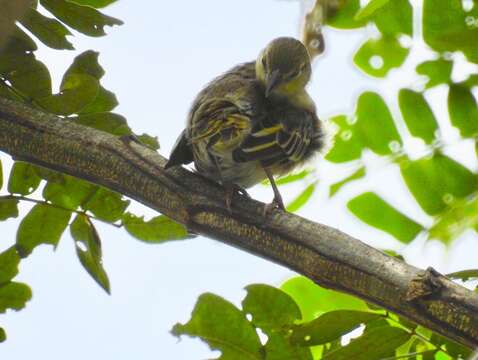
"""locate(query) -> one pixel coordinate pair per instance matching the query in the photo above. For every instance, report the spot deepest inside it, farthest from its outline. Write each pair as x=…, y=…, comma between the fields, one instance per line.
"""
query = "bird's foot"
x=276, y=204
x=231, y=190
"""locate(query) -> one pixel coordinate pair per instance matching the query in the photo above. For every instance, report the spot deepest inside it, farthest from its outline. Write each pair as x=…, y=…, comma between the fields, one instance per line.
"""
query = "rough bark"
x=325, y=255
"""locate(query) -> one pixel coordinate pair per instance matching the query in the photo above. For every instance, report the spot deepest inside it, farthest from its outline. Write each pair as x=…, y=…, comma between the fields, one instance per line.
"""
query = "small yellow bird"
x=253, y=122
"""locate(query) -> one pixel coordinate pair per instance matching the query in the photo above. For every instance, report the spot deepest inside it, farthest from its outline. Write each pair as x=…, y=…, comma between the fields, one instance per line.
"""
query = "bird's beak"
x=272, y=81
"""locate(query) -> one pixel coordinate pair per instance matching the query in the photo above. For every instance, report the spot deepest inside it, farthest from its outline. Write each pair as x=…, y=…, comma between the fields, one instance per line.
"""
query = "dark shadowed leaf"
x=374, y=211
x=9, y=260
x=437, y=181
x=271, y=308
x=85, y=19
x=280, y=348
x=302, y=198
x=330, y=326
x=464, y=275
x=19, y=42
x=157, y=230
x=105, y=121
x=463, y=110
x=417, y=115
x=150, y=141
x=86, y=63
x=44, y=224
x=438, y=71
x=223, y=327
x=314, y=300
x=49, y=31
x=23, y=179
x=14, y=295
x=373, y=345
x=8, y=208
x=360, y=173
x=3, y=336
x=76, y=92
x=88, y=249
x=104, y=101
x=93, y=3
x=378, y=57
x=106, y=205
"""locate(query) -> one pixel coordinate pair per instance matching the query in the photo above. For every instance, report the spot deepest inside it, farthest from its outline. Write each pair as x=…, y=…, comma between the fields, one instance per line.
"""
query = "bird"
x=254, y=122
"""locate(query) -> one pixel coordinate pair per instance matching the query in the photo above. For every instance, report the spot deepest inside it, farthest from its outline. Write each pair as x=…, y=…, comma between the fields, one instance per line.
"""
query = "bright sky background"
x=156, y=63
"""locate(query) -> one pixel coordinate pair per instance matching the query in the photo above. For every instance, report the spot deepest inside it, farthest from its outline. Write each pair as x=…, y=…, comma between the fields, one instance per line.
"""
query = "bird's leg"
x=232, y=189
x=277, y=202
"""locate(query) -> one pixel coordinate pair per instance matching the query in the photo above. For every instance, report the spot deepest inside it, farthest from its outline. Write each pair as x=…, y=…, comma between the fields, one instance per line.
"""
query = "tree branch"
x=325, y=255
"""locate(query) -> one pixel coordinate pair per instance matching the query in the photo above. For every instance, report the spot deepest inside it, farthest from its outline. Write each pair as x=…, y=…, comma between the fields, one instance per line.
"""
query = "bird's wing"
x=284, y=136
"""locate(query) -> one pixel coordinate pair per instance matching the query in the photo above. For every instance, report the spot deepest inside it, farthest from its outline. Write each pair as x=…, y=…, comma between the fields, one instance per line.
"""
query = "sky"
x=156, y=63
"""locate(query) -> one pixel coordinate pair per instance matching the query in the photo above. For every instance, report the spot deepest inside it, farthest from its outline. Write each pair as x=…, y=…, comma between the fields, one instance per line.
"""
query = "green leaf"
x=49, y=31
x=26, y=74
x=334, y=188
x=344, y=17
x=105, y=121
x=438, y=71
x=464, y=275
x=375, y=125
x=88, y=249
x=93, y=3
x=395, y=18
x=461, y=216
x=378, y=57
x=107, y=205
x=347, y=146
x=9, y=261
x=279, y=348
x=87, y=64
x=223, y=327
x=302, y=198
x=271, y=308
x=104, y=101
x=463, y=110
x=85, y=19
x=374, y=211
x=314, y=300
x=68, y=192
x=3, y=336
x=447, y=27
x=8, y=208
x=23, y=179
x=14, y=295
x=157, y=230
x=293, y=177
x=371, y=7
x=373, y=345
x=150, y=141
x=417, y=115
x=437, y=181
x=19, y=42
x=44, y=224
x=76, y=92
x=330, y=326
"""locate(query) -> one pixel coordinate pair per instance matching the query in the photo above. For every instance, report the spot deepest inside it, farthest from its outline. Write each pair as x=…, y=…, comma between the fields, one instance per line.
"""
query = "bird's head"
x=283, y=67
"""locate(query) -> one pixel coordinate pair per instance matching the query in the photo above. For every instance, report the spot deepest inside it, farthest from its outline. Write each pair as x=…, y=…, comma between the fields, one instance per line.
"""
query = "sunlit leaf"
x=23, y=179
x=378, y=57
x=88, y=249
x=371, y=7
x=314, y=300
x=8, y=208
x=9, y=261
x=271, y=308
x=14, y=295
x=347, y=146
x=438, y=71
x=104, y=101
x=44, y=224
x=301, y=199
x=330, y=326
x=49, y=31
x=344, y=17
x=223, y=327
x=374, y=211
x=417, y=115
x=106, y=205
x=76, y=92
x=85, y=19
x=463, y=110
x=360, y=173
x=150, y=141
x=280, y=348
x=395, y=18
x=437, y=181
x=157, y=230
x=293, y=177
x=68, y=192
x=373, y=345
